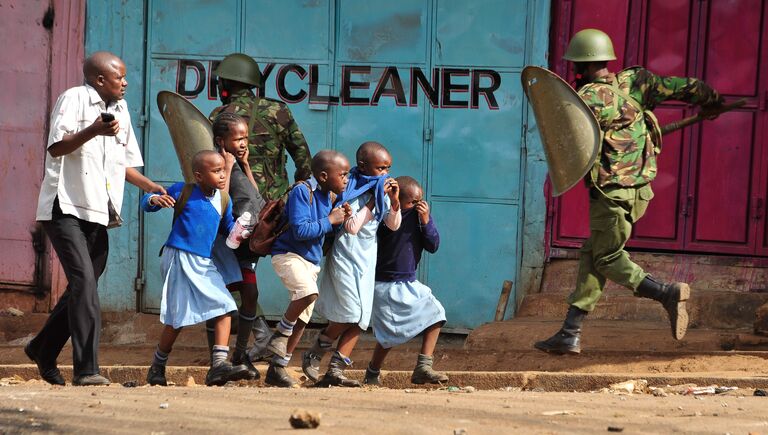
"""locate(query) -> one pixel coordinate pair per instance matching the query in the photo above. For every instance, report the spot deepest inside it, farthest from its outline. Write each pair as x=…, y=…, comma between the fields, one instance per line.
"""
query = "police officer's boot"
x=261, y=336
x=568, y=338
x=672, y=296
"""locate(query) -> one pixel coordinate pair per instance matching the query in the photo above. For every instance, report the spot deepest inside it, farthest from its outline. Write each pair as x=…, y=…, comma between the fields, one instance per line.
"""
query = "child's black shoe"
x=278, y=377
x=156, y=375
x=224, y=372
x=372, y=378
x=242, y=358
x=334, y=377
x=425, y=374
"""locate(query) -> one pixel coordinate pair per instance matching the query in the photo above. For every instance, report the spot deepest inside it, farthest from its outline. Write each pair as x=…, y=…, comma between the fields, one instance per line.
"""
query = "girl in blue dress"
x=194, y=290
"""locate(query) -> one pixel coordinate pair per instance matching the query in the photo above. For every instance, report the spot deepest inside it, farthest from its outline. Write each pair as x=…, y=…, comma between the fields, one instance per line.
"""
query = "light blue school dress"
x=226, y=261
x=347, y=280
x=193, y=291
x=402, y=310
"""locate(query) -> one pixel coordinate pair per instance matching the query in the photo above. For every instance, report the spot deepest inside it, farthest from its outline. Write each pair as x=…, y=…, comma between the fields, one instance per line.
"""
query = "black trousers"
x=82, y=248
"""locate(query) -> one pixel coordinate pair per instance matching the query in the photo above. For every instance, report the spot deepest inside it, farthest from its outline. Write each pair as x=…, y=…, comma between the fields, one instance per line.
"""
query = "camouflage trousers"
x=611, y=216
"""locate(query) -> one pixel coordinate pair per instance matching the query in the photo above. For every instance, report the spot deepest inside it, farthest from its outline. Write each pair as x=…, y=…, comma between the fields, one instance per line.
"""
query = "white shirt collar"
x=97, y=100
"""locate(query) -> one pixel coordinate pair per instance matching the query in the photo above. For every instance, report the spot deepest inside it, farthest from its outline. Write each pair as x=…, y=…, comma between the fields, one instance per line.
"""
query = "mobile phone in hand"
x=107, y=117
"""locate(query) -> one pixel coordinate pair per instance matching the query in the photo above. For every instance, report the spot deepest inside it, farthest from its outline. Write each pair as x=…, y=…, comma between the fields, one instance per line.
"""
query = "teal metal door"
x=476, y=153
x=436, y=81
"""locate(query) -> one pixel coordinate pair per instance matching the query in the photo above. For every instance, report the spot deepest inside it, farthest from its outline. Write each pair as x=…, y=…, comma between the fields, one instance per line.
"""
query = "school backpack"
x=273, y=222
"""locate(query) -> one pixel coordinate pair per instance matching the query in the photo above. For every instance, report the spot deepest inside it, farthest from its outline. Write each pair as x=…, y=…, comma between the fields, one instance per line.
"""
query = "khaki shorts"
x=299, y=276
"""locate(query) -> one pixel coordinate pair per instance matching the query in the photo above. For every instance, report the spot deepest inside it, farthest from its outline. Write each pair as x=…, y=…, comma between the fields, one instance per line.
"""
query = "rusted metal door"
x=25, y=74
x=711, y=188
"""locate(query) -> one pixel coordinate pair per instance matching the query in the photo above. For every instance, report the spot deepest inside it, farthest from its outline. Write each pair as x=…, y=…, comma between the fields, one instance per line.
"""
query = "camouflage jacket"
x=266, y=155
x=628, y=155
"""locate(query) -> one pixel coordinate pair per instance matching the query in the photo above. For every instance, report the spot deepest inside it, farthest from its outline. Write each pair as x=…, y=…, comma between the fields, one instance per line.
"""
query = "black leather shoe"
x=278, y=377
x=224, y=372
x=372, y=378
x=241, y=358
x=156, y=375
x=90, y=380
x=49, y=373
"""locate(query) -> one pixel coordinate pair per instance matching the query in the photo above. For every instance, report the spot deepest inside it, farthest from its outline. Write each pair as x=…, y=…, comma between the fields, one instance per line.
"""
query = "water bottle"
x=240, y=231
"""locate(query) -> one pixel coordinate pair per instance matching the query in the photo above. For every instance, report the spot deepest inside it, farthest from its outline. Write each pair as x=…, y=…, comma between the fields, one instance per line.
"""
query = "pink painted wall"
x=42, y=55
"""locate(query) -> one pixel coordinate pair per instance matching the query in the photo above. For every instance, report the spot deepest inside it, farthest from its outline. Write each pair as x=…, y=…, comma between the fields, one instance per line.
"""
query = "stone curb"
x=543, y=381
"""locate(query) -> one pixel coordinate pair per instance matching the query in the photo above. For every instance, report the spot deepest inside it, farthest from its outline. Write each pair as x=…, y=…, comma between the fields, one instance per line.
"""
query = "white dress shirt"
x=85, y=179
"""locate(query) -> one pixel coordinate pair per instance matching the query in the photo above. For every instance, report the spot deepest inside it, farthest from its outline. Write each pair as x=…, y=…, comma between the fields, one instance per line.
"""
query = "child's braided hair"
x=222, y=123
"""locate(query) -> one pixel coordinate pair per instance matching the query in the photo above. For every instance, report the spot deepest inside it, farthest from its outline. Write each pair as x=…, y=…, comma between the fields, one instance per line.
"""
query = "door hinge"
x=142, y=120
x=139, y=282
x=427, y=135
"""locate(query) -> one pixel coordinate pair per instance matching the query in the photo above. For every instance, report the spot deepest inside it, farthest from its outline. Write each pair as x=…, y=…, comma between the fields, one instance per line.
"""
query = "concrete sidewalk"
x=529, y=380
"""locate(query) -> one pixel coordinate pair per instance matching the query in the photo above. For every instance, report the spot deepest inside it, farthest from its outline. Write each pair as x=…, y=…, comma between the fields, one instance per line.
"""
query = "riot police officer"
x=620, y=182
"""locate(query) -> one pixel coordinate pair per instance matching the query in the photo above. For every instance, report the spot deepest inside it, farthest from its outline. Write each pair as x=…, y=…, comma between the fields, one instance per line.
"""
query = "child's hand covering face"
x=392, y=189
x=422, y=208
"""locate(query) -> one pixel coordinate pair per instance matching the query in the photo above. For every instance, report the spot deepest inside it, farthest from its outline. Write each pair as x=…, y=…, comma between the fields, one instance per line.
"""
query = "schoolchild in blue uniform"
x=347, y=281
x=194, y=290
x=402, y=306
x=297, y=252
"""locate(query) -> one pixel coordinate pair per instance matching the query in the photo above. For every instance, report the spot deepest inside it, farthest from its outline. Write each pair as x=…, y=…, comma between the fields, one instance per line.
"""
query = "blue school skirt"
x=194, y=290
x=402, y=310
x=225, y=260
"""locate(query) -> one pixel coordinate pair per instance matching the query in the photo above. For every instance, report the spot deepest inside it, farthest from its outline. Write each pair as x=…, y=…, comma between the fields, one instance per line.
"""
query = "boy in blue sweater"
x=297, y=252
x=194, y=290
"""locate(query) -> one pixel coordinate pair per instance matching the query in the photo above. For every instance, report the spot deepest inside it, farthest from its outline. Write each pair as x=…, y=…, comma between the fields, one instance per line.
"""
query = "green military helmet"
x=590, y=45
x=240, y=68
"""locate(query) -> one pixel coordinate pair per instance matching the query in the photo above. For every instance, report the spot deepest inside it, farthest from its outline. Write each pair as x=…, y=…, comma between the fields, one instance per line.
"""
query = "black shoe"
x=331, y=379
x=241, y=358
x=224, y=372
x=372, y=378
x=278, y=377
x=334, y=377
x=674, y=303
x=672, y=297
x=90, y=380
x=561, y=343
x=156, y=375
x=49, y=373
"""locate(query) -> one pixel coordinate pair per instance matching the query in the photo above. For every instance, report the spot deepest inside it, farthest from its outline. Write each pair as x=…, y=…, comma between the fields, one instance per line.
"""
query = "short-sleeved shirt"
x=87, y=178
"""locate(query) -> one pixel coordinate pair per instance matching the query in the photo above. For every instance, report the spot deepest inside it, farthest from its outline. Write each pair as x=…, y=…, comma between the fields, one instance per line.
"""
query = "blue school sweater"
x=308, y=224
x=197, y=225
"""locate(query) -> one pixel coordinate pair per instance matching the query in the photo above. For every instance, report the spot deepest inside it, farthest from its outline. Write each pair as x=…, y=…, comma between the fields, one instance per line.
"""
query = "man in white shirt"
x=89, y=159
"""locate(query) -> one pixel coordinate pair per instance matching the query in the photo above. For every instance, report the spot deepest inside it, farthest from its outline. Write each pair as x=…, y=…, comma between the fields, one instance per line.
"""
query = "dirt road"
x=34, y=407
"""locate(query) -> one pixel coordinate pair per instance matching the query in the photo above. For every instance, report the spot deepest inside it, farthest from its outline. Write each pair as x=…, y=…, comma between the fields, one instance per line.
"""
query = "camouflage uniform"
x=627, y=166
x=266, y=155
